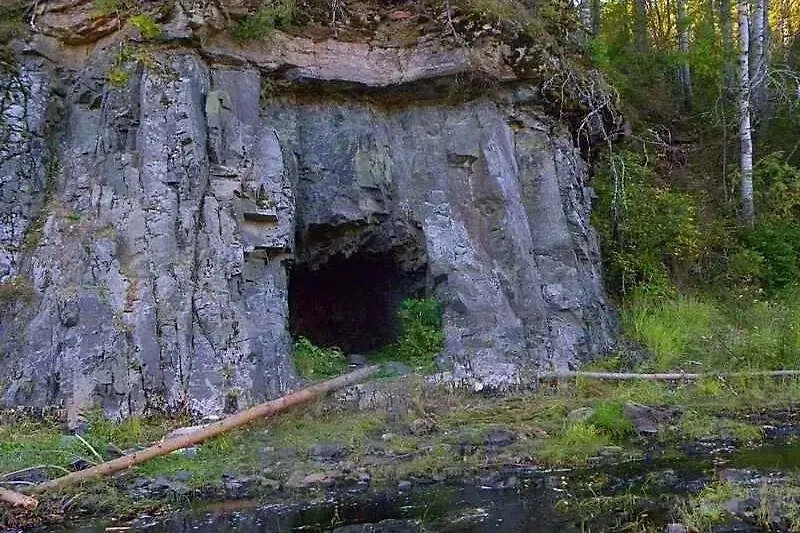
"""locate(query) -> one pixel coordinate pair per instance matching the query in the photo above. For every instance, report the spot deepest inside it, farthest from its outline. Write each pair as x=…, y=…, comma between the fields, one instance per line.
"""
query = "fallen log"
x=673, y=376
x=16, y=499
x=207, y=432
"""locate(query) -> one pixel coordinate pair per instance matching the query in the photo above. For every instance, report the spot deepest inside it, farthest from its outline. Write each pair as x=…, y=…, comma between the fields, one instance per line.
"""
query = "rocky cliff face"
x=173, y=213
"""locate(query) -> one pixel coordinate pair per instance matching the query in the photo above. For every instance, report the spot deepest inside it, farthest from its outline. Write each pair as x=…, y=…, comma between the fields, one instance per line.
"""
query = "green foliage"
x=645, y=229
x=576, y=445
x=708, y=508
x=672, y=329
x=699, y=333
x=313, y=362
x=610, y=418
x=271, y=15
x=11, y=23
x=107, y=7
x=421, y=335
x=148, y=28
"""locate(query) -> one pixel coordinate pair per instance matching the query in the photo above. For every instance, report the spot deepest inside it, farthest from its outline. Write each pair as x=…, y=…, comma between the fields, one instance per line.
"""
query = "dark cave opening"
x=351, y=302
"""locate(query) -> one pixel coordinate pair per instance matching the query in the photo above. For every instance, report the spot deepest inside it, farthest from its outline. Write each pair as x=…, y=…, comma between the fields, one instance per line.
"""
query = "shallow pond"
x=631, y=496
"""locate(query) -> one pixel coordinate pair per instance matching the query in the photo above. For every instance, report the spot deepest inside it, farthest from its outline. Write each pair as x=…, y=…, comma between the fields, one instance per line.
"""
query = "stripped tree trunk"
x=745, y=128
x=15, y=499
x=683, y=46
x=190, y=439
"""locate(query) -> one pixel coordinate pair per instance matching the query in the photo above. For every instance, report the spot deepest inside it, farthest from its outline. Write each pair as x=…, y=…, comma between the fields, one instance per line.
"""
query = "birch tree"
x=758, y=52
x=640, y=24
x=745, y=129
x=683, y=46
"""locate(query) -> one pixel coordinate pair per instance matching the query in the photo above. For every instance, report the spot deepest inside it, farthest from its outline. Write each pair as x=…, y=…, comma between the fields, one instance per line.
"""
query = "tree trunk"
x=15, y=499
x=745, y=129
x=640, y=25
x=757, y=48
x=683, y=46
x=596, y=16
x=210, y=431
x=726, y=28
x=585, y=9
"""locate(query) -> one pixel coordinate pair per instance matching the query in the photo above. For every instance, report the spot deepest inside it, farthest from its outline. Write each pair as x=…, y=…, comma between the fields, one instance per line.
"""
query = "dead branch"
x=16, y=499
x=196, y=437
x=674, y=376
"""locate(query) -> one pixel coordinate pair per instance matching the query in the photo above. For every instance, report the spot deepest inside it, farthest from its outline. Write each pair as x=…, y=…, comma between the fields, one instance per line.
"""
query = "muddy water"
x=626, y=497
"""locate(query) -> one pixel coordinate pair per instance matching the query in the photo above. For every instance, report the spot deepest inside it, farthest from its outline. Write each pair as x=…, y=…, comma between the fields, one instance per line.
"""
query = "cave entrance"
x=351, y=302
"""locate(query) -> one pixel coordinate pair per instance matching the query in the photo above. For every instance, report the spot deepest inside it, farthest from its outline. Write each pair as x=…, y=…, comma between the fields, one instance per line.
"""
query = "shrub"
x=774, y=248
x=314, y=362
x=275, y=14
x=147, y=27
x=578, y=444
x=646, y=230
x=421, y=336
x=610, y=418
x=673, y=329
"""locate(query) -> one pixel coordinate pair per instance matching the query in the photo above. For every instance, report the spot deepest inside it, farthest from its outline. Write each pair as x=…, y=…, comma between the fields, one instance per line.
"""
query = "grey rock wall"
x=147, y=231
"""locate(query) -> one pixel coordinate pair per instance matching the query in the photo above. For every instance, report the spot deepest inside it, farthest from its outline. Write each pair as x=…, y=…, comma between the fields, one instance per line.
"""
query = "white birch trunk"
x=683, y=45
x=745, y=130
x=585, y=10
x=757, y=40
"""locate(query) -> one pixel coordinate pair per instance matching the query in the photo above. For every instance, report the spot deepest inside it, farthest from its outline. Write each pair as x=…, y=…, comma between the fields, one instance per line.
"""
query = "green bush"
x=610, y=418
x=147, y=27
x=314, y=362
x=421, y=335
x=675, y=330
x=273, y=14
x=774, y=249
x=646, y=230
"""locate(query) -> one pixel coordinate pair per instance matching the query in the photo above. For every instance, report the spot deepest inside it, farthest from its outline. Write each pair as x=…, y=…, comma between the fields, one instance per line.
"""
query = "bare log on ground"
x=15, y=499
x=674, y=376
x=209, y=431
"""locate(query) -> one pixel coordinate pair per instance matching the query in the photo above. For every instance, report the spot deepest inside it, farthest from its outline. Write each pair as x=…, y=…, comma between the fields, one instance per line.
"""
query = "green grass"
x=610, y=418
x=313, y=362
x=270, y=15
x=696, y=425
x=704, y=334
x=579, y=443
x=674, y=330
x=421, y=336
x=707, y=509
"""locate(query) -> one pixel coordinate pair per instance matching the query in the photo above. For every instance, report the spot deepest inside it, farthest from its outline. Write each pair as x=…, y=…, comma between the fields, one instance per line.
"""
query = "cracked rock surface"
x=148, y=228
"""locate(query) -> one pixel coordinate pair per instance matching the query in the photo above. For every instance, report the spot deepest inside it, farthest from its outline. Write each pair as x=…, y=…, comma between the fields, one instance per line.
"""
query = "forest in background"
x=698, y=206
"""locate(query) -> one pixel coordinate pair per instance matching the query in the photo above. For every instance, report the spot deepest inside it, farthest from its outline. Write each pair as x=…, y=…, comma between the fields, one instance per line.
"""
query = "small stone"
x=189, y=453
x=676, y=528
x=180, y=432
x=500, y=438
x=404, y=484
x=581, y=414
x=114, y=450
x=182, y=475
x=328, y=451
x=271, y=484
x=357, y=360
x=396, y=368
x=79, y=463
x=422, y=426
